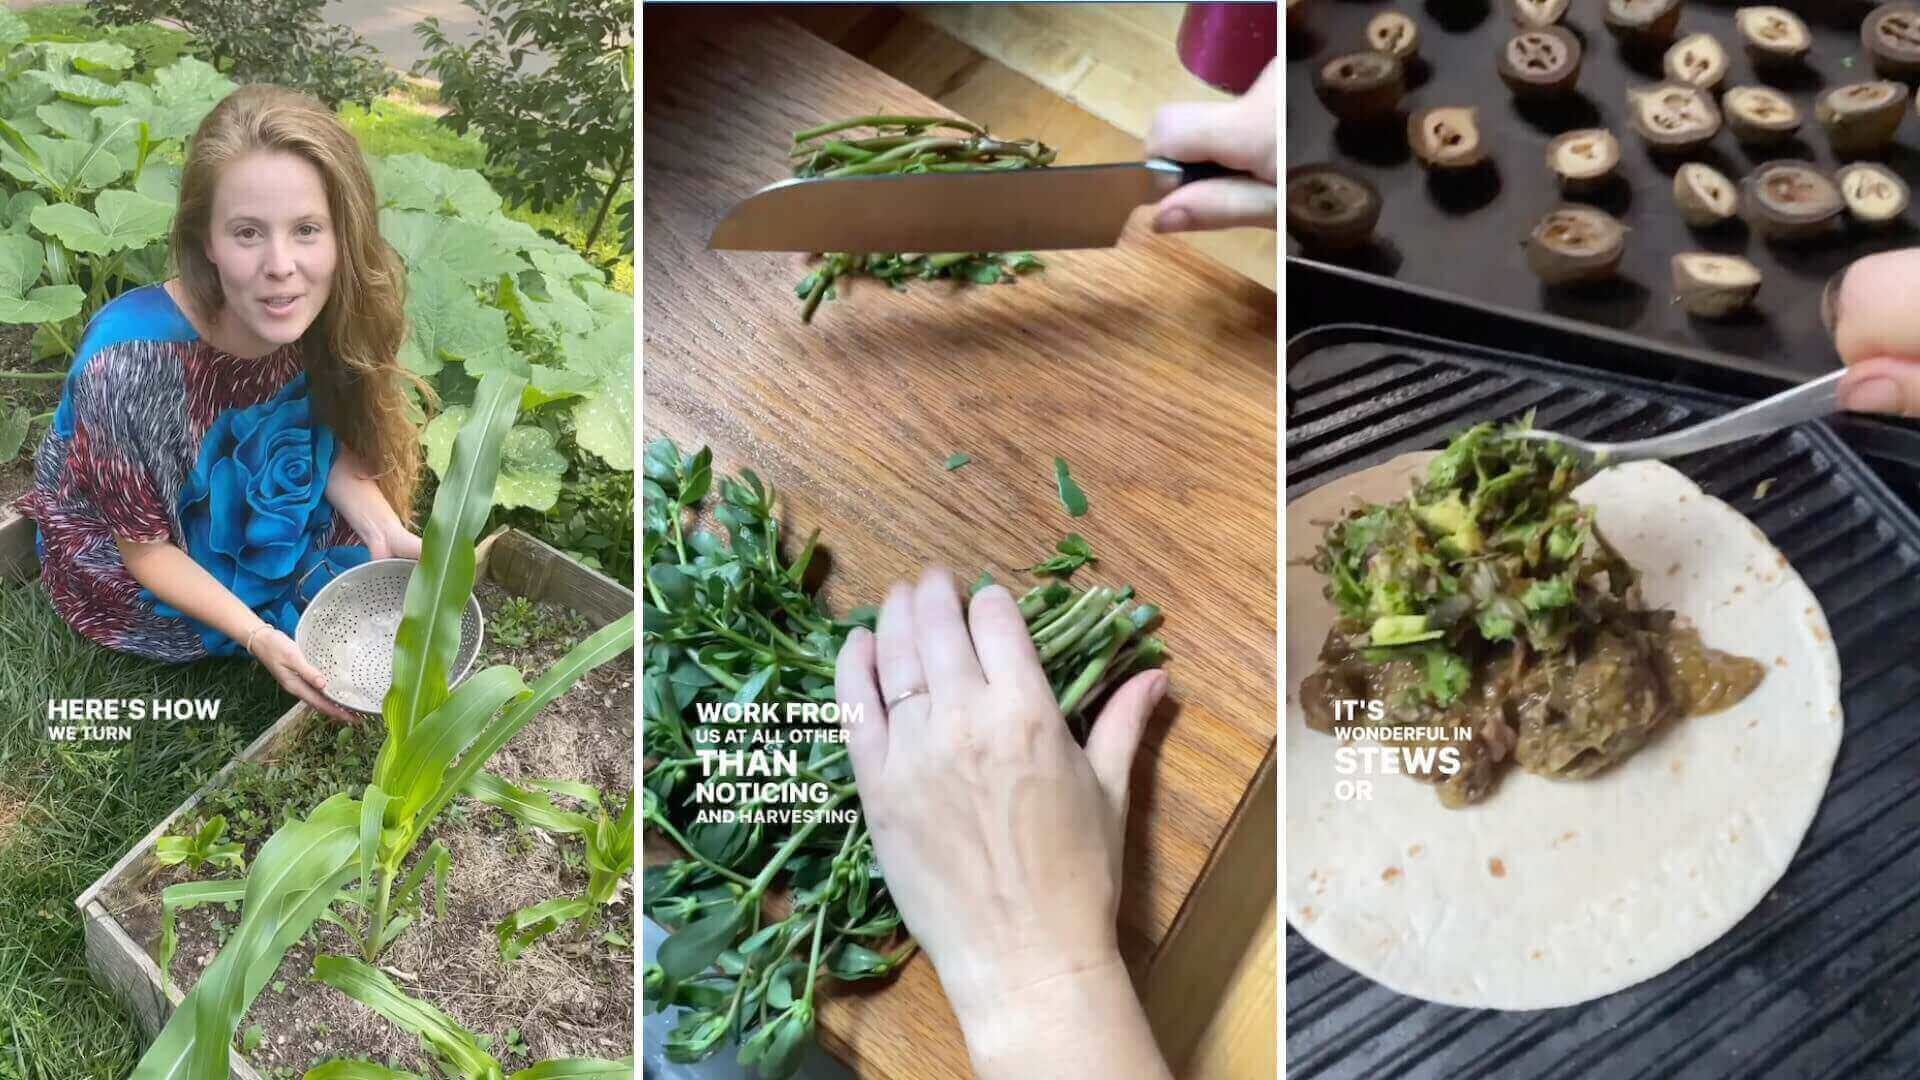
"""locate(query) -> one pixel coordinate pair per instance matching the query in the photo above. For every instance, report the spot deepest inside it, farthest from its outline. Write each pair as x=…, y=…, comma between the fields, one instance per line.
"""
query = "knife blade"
x=1069, y=206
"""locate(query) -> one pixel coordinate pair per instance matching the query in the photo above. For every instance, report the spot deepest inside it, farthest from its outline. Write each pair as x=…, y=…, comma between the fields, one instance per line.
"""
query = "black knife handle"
x=1195, y=171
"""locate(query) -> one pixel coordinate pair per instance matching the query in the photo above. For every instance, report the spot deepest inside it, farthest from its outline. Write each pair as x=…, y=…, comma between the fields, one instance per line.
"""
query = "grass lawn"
x=68, y=812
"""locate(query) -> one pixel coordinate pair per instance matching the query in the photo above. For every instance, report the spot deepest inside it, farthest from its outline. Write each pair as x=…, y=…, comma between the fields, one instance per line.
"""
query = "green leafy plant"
x=89, y=168
x=909, y=144
x=458, y=1051
x=591, y=520
x=288, y=42
x=436, y=740
x=1074, y=553
x=518, y=622
x=731, y=622
x=609, y=841
x=560, y=136
x=208, y=845
x=92, y=161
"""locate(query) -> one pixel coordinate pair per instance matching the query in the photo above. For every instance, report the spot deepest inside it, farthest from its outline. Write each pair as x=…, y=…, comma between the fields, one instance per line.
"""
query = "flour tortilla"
x=1555, y=892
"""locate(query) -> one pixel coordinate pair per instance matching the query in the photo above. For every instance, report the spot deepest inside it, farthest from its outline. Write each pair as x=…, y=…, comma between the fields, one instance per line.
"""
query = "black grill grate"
x=1823, y=978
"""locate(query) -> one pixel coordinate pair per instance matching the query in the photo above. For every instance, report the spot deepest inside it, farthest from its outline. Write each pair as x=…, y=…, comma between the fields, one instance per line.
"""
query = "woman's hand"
x=392, y=541
x=284, y=661
x=1873, y=311
x=1001, y=838
x=1241, y=134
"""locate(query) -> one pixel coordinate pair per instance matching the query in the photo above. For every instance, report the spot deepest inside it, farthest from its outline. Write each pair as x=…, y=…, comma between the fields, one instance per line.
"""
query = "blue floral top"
x=159, y=436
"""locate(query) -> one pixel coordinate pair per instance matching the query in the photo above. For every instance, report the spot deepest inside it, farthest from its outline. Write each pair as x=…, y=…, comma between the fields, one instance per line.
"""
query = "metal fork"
x=1809, y=401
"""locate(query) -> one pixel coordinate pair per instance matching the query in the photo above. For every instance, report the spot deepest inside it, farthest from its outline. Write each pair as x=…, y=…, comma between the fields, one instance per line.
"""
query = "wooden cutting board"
x=1149, y=368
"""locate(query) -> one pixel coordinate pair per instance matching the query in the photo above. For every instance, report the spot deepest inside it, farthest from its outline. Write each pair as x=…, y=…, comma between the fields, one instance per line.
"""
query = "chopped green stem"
x=1070, y=633
x=948, y=258
x=1079, y=615
x=1033, y=602
x=845, y=151
x=871, y=145
x=1056, y=612
x=1135, y=658
x=819, y=290
x=934, y=147
x=1002, y=165
x=1077, y=690
x=1114, y=613
x=885, y=121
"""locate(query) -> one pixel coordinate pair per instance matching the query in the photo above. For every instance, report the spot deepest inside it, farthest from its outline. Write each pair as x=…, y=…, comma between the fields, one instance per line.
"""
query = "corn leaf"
x=440, y=861
x=453, y=1043
x=373, y=812
x=606, y=643
x=528, y=925
x=417, y=766
x=572, y=789
x=437, y=593
x=342, y=1069
x=577, y=1069
x=296, y=875
x=528, y=807
x=177, y=898
x=610, y=855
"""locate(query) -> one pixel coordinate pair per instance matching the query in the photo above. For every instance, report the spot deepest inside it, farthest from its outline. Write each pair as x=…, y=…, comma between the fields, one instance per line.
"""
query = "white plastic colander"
x=347, y=632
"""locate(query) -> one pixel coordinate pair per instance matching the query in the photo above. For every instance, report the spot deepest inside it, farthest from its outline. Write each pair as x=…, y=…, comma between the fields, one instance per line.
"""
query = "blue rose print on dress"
x=254, y=512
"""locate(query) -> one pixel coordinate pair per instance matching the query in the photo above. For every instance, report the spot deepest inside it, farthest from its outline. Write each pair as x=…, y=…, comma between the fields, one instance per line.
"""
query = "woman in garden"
x=229, y=440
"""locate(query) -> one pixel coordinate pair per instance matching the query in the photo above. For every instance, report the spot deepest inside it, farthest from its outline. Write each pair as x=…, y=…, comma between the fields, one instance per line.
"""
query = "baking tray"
x=1465, y=239
x=1822, y=979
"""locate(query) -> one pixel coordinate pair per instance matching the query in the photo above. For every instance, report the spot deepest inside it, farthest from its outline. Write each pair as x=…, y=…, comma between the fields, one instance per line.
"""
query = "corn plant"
x=200, y=849
x=459, y=1051
x=609, y=840
x=437, y=740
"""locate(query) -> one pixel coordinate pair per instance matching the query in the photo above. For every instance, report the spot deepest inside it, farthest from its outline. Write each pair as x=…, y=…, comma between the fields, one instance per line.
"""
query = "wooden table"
x=1147, y=366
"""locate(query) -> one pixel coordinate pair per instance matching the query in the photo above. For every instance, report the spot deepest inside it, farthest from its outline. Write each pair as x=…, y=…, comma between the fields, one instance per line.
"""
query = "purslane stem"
x=760, y=884
x=884, y=121
x=674, y=835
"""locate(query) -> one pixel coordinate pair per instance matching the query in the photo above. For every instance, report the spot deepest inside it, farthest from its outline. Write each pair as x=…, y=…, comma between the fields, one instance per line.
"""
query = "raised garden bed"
x=570, y=994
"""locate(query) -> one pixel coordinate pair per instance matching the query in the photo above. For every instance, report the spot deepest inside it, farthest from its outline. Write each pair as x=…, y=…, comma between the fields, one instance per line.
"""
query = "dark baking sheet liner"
x=1823, y=978
x=1464, y=238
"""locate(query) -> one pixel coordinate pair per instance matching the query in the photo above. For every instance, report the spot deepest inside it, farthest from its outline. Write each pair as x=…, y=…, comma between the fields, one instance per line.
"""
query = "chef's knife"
x=1068, y=206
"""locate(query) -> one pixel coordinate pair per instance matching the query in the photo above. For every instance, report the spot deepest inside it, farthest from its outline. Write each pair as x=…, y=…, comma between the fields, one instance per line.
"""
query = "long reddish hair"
x=351, y=350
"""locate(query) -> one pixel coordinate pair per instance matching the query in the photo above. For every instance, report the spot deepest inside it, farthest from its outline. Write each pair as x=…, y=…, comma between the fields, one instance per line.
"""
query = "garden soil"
x=569, y=995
